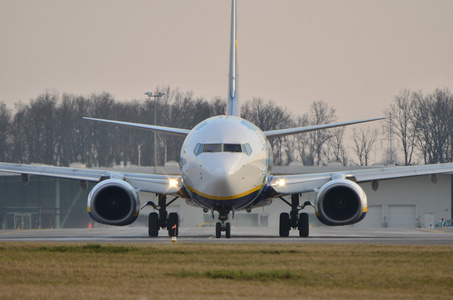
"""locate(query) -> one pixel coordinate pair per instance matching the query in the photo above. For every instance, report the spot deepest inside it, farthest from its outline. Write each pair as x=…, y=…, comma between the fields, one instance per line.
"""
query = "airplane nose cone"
x=222, y=179
x=222, y=170
x=224, y=176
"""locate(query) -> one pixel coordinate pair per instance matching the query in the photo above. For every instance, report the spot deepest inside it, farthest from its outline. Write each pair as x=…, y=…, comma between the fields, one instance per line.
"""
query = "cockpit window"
x=232, y=148
x=247, y=149
x=212, y=148
x=244, y=148
x=198, y=149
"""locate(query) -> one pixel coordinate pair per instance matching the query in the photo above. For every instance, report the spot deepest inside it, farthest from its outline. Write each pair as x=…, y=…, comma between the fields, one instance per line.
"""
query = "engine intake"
x=340, y=202
x=113, y=202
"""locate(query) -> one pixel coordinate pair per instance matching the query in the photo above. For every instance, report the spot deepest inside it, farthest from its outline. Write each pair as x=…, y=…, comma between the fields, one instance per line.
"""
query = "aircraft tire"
x=284, y=225
x=304, y=225
x=173, y=219
x=228, y=230
x=153, y=224
x=218, y=230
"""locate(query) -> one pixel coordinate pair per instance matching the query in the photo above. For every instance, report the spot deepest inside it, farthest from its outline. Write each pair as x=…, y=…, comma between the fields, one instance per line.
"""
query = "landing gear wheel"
x=227, y=230
x=284, y=225
x=218, y=230
x=173, y=224
x=153, y=224
x=304, y=226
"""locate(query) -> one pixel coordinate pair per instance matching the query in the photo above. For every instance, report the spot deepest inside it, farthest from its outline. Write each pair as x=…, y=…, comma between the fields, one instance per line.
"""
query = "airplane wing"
x=268, y=134
x=293, y=184
x=170, y=130
x=153, y=183
x=296, y=130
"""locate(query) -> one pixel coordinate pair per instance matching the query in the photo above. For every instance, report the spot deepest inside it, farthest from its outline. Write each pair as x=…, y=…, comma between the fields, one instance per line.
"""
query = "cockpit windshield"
x=232, y=148
x=212, y=148
x=241, y=148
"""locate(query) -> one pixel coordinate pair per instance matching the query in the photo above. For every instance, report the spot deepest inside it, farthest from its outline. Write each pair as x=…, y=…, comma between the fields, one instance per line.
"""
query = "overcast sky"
x=355, y=55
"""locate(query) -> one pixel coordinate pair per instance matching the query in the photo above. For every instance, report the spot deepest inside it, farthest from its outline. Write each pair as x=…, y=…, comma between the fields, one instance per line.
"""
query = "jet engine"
x=113, y=202
x=340, y=202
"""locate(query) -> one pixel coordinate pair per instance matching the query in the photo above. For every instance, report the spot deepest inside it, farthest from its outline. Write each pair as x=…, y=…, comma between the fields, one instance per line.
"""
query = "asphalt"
x=321, y=235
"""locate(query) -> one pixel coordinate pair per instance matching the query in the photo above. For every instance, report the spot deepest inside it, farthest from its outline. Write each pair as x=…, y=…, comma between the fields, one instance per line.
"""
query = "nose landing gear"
x=223, y=225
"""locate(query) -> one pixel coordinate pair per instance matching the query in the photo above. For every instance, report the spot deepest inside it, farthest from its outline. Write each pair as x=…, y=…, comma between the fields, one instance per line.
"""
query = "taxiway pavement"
x=321, y=235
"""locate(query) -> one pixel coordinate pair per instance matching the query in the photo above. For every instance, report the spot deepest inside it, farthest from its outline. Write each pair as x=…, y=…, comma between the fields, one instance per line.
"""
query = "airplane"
x=225, y=167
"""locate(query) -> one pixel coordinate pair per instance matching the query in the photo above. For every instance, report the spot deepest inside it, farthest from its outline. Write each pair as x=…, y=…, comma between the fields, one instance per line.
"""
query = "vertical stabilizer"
x=232, y=102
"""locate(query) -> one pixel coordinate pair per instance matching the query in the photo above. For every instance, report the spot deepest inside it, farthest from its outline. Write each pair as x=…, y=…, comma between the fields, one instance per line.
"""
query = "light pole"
x=156, y=95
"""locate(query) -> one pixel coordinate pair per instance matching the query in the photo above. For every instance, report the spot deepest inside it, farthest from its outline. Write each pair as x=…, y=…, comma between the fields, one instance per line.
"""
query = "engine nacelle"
x=340, y=202
x=113, y=202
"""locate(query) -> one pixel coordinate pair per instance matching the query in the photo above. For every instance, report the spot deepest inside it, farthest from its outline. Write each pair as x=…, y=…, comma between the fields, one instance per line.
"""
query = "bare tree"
x=268, y=116
x=364, y=140
x=335, y=149
x=5, y=122
x=39, y=128
x=302, y=142
x=313, y=145
x=218, y=106
x=401, y=123
x=434, y=126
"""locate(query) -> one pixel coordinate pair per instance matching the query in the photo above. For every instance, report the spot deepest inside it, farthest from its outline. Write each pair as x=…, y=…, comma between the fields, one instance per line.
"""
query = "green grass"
x=224, y=271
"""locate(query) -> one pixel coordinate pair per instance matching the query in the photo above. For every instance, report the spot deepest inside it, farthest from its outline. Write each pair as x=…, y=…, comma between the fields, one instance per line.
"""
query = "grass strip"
x=224, y=271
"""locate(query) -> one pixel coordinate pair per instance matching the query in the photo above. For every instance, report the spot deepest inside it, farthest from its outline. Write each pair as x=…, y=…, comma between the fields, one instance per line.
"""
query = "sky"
x=354, y=55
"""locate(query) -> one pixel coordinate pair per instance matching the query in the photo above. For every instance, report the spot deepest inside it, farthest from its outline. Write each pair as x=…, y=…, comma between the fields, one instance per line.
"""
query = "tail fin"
x=232, y=102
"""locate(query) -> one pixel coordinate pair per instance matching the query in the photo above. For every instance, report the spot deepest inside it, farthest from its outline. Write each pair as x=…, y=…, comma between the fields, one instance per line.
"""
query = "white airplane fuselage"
x=225, y=162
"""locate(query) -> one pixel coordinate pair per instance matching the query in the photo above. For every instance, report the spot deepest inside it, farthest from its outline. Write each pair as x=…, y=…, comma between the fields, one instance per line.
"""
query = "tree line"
x=50, y=129
x=421, y=126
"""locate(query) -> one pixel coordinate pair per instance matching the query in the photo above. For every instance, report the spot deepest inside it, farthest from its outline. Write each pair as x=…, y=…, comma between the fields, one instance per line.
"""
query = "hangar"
x=398, y=203
x=45, y=202
x=409, y=202
x=42, y=202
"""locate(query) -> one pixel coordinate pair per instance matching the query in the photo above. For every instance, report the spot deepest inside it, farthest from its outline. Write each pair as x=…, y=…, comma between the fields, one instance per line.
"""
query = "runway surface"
x=322, y=235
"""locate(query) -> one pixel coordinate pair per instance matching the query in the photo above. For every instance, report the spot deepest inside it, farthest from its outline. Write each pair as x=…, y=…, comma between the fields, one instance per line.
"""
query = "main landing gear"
x=162, y=219
x=293, y=219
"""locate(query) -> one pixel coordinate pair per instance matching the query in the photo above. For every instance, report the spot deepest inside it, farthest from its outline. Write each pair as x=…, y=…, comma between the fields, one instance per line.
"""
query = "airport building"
x=43, y=202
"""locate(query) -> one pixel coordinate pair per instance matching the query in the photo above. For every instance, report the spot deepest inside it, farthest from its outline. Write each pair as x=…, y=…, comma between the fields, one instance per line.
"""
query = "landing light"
x=281, y=182
x=173, y=183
